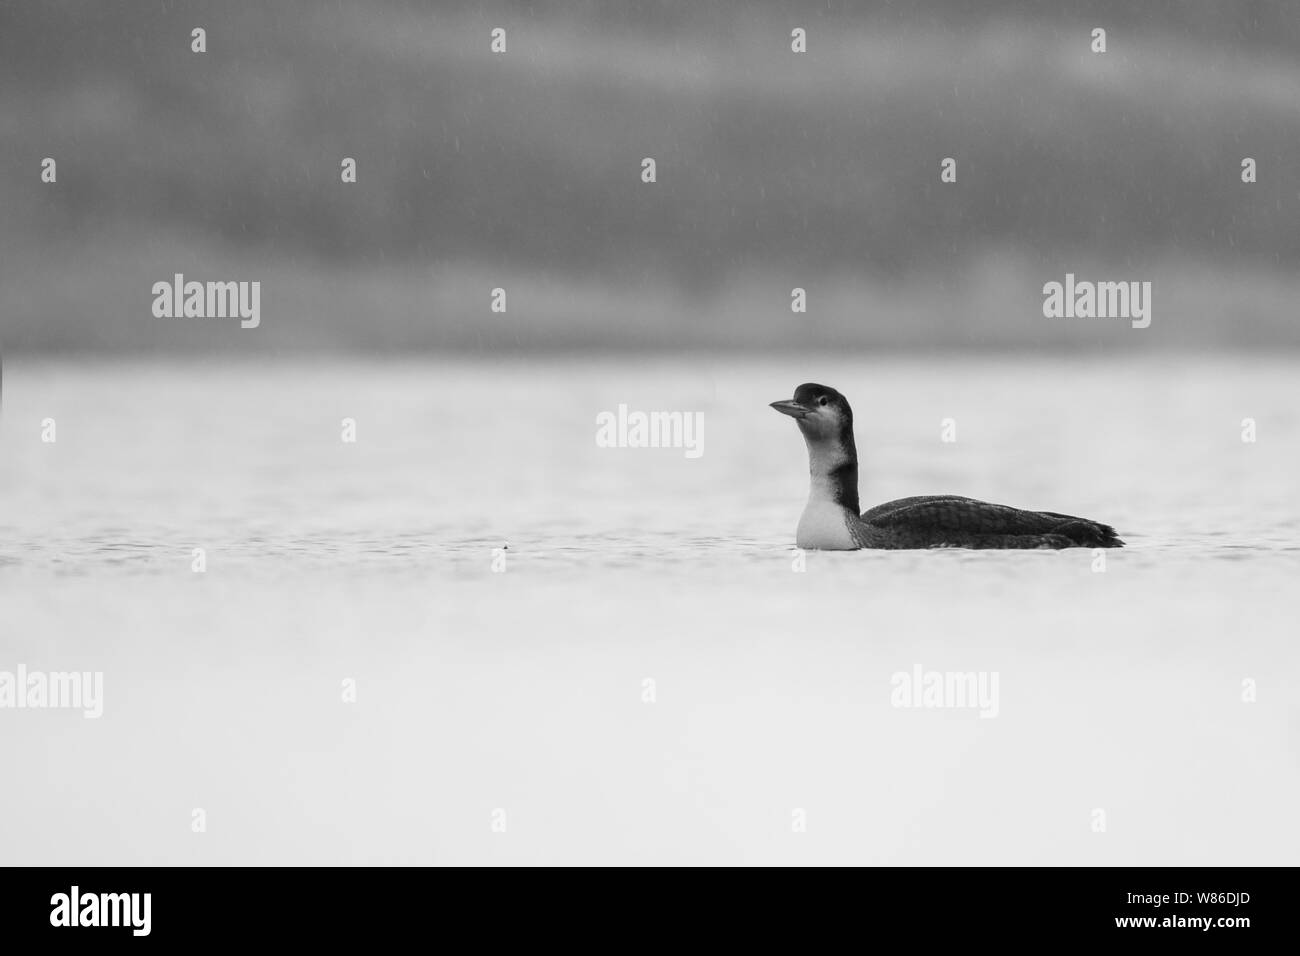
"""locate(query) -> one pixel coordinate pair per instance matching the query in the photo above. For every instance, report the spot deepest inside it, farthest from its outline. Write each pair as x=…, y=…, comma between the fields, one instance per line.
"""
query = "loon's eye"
x=822, y=400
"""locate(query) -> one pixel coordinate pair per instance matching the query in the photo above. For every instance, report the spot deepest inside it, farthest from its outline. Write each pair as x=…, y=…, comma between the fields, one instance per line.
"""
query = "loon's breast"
x=827, y=526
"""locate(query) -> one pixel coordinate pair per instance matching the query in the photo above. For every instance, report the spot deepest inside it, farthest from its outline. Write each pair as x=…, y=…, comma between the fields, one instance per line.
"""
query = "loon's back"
x=936, y=521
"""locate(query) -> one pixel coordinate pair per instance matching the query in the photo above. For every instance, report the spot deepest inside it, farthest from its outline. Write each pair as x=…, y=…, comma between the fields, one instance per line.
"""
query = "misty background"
x=775, y=170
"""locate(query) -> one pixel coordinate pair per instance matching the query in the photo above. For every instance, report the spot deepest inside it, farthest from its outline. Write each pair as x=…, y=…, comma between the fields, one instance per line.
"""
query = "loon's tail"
x=1085, y=533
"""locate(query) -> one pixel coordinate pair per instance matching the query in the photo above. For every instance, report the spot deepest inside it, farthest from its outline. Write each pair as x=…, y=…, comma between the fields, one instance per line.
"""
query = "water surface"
x=476, y=691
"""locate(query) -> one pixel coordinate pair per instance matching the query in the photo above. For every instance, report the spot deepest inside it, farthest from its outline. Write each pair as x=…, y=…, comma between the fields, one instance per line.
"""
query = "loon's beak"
x=793, y=409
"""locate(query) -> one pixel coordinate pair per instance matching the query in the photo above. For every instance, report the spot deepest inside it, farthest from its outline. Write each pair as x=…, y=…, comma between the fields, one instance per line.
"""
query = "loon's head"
x=822, y=414
x=824, y=417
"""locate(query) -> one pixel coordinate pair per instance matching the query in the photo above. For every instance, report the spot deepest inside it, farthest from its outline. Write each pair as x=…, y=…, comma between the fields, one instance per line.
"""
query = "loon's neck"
x=830, y=520
x=833, y=472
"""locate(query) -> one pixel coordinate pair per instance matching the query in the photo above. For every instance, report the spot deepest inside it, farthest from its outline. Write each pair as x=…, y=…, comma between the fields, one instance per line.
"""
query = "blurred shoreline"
x=994, y=303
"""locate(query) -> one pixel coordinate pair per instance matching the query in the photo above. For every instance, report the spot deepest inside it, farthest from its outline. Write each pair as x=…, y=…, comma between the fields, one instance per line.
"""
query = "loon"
x=830, y=522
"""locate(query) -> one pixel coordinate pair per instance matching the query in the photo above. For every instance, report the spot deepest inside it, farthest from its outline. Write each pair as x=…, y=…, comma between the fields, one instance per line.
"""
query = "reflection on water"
x=373, y=561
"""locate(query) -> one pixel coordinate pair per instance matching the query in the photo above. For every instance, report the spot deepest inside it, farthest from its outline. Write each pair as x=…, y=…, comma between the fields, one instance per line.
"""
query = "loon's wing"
x=933, y=520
